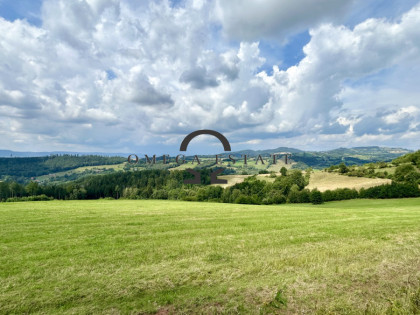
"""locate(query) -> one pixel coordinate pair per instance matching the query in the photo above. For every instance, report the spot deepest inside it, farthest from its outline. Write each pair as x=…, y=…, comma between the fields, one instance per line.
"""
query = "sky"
x=138, y=76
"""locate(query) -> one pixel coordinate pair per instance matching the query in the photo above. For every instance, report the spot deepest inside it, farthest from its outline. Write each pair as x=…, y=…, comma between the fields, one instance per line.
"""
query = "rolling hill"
x=26, y=168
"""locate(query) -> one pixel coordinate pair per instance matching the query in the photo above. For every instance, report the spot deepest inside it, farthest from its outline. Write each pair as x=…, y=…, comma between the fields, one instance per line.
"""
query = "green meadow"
x=165, y=257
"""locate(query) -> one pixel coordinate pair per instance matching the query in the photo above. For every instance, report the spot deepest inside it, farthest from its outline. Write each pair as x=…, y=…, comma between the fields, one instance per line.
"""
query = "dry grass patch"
x=329, y=181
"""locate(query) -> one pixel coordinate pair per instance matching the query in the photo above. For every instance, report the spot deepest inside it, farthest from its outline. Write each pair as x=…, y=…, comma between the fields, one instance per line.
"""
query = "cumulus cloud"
x=252, y=20
x=117, y=74
x=308, y=95
x=139, y=90
x=198, y=78
x=388, y=122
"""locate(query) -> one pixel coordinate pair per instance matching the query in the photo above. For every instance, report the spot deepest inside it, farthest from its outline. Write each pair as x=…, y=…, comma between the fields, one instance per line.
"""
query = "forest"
x=20, y=169
x=164, y=184
x=287, y=187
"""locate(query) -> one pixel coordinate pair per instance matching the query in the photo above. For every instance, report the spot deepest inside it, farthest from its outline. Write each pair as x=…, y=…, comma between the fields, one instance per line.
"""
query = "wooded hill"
x=21, y=168
x=164, y=184
x=25, y=169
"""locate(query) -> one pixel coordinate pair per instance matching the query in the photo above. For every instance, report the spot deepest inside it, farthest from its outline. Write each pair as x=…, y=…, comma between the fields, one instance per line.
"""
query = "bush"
x=188, y=195
x=30, y=198
x=250, y=200
x=394, y=190
x=209, y=193
x=346, y=194
x=329, y=195
x=283, y=171
x=160, y=194
x=316, y=197
x=342, y=168
x=108, y=198
x=277, y=199
x=294, y=194
x=304, y=196
x=403, y=171
x=299, y=196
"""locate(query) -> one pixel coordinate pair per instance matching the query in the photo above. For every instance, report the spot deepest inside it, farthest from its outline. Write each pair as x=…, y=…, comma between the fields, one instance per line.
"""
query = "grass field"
x=140, y=257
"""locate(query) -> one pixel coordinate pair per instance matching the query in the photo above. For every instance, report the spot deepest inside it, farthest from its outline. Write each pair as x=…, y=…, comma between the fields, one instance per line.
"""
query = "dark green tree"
x=283, y=171
x=33, y=189
x=316, y=197
x=342, y=168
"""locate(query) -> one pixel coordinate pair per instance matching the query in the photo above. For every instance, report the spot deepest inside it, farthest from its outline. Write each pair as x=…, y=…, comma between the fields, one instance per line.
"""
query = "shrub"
x=342, y=168
x=329, y=195
x=294, y=194
x=278, y=199
x=30, y=198
x=346, y=194
x=160, y=194
x=244, y=199
x=283, y=171
x=394, y=190
x=407, y=173
x=316, y=197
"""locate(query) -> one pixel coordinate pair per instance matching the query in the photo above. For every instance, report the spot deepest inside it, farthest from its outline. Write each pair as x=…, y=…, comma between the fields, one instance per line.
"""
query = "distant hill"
x=376, y=151
x=368, y=153
x=9, y=153
x=253, y=153
x=23, y=168
x=379, y=152
x=26, y=167
x=323, y=159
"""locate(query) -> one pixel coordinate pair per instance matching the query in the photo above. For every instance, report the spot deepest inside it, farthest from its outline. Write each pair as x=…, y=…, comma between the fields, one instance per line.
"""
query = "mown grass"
x=80, y=257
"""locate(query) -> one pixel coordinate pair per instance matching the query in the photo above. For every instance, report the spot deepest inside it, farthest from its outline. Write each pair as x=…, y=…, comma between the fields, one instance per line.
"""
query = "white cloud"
x=307, y=95
x=400, y=115
x=172, y=73
x=251, y=20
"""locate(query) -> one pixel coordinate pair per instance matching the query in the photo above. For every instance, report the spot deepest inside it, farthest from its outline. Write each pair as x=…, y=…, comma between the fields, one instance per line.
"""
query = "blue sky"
x=22, y=9
x=129, y=76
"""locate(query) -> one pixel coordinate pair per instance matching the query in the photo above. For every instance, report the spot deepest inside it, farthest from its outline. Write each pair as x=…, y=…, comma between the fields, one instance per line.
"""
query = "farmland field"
x=324, y=181
x=319, y=179
x=152, y=256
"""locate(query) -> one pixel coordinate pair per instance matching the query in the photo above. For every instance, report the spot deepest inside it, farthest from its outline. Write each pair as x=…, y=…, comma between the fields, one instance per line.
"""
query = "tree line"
x=408, y=172
x=290, y=187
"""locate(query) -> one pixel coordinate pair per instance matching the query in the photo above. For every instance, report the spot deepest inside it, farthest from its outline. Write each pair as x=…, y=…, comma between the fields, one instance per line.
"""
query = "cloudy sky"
x=138, y=76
